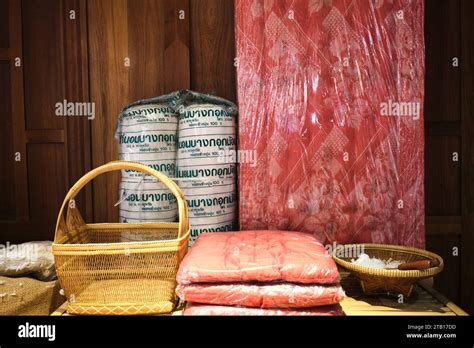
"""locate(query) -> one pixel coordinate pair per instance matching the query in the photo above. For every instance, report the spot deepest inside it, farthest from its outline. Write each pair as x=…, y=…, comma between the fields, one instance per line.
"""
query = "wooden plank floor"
x=424, y=301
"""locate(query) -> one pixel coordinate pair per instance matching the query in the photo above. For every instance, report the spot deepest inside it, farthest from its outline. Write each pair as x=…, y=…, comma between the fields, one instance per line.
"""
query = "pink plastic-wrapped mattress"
x=331, y=104
x=257, y=256
x=262, y=295
x=198, y=309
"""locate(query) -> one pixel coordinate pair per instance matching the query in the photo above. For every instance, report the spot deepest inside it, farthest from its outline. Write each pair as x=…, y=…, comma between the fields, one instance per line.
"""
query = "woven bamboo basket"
x=103, y=275
x=392, y=281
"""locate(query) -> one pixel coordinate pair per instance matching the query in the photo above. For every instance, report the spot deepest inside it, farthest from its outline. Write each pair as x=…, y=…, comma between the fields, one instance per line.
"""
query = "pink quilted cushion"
x=258, y=256
x=197, y=309
x=264, y=296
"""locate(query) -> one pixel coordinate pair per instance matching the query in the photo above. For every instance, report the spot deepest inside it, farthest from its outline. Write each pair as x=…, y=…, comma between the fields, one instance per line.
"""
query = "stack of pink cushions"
x=259, y=273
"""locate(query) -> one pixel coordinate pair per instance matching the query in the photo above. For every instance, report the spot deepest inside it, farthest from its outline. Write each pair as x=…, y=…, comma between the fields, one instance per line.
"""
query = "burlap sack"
x=27, y=296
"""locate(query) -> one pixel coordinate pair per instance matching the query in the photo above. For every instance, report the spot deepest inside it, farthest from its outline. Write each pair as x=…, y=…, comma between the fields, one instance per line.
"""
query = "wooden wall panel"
x=467, y=112
x=54, y=150
x=17, y=112
x=158, y=47
x=109, y=86
x=443, y=43
x=43, y=62
x=145, y=28
x=150, y=34
x=442, y=176
x=4, y=24
x=177, y=45
x=45, y=198
x=77, y=134
x=45, y=85
x=450, y=278
x=155, y=36
x=213, y=47
x=7, y=168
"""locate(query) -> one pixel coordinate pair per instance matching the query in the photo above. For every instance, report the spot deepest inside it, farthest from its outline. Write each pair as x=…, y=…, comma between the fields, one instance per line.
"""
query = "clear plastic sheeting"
x=190, y=137
x=279, y=295
x=259, y=256
x=331, y=104
x=147, y=132
x=197, y=309
x=205, y=165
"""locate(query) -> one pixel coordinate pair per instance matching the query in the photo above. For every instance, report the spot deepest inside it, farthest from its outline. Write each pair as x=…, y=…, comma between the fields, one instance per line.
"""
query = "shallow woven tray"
x=377, y=281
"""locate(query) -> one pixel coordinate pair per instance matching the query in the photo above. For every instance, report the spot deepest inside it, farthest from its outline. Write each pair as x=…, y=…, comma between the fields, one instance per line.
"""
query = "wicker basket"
x=376, y=281
x=102, y=275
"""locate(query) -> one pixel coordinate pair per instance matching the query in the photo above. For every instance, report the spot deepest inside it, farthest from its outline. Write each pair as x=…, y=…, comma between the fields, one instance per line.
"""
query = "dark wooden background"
x=83, y=59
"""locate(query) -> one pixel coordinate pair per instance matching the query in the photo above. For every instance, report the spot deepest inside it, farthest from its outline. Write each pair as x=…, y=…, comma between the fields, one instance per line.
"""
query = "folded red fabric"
x=199, y=309
x=262, y=296
x=262, y=256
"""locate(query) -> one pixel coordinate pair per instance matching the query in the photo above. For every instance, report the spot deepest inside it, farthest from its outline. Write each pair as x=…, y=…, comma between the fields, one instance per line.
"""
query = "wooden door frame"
x=17, y=110
x=467, y=161
x=75, y=136
x=76, y=48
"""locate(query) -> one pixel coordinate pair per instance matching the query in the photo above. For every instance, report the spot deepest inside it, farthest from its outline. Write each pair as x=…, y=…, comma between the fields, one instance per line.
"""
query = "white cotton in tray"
x=367, y=261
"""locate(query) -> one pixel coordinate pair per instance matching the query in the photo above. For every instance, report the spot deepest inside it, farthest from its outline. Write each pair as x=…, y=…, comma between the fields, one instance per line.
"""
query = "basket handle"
x=126, y=165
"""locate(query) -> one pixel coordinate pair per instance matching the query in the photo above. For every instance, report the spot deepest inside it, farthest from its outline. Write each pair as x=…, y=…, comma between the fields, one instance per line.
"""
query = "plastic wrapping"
x=205, y=166
x=197, y=309
x=263, y=256
x=282, y=295
x=147, y=132
x=331, y=105
x=192, y=138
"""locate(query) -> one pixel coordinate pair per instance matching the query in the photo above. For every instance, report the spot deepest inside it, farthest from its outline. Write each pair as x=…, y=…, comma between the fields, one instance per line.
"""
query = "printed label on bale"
x=205, y=185
x=148, y=201
x=206, y=116
x=138, y=216
x=155, y=141
x=138, y=200
x=205, y=146
x=162, y=162
x=166, y=167
x=212, y=206
x=206, y=171
x=148, y=116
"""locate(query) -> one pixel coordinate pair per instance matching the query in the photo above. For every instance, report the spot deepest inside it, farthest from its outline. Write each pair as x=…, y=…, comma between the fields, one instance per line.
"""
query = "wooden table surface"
x=424, y=301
